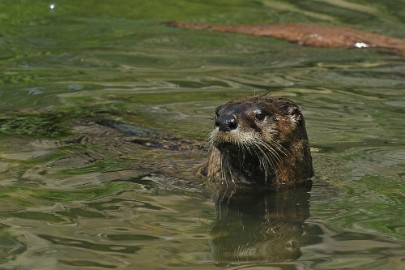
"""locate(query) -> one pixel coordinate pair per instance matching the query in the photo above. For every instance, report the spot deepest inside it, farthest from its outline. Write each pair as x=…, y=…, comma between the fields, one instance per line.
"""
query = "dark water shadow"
x=254, y=226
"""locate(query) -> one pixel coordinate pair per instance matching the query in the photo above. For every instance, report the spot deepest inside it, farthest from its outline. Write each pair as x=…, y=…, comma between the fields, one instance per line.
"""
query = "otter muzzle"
x=226, y=122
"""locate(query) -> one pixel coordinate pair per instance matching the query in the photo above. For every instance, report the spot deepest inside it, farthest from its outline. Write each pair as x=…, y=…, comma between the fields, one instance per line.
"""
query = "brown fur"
x=269, y=149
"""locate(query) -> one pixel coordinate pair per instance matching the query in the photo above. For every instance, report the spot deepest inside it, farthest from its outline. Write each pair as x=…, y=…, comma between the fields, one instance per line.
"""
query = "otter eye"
x=259, y=115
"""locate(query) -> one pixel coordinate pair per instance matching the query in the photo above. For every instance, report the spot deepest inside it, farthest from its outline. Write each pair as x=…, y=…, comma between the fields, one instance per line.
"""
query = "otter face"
x=273, y=121
x=254, y=138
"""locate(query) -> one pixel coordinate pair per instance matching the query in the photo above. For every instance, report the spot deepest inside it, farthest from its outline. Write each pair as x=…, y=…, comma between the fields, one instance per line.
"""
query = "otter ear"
x=294, y=112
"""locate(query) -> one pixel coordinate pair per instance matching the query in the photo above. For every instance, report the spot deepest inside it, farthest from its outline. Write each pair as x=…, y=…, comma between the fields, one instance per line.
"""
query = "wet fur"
x=273, y=151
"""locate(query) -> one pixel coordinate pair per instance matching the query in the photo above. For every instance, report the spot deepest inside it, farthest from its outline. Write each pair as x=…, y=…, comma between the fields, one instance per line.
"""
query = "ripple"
x=89, y=199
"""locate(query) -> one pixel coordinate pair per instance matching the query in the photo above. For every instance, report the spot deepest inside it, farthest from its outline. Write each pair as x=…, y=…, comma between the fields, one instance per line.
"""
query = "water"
x=78, y=195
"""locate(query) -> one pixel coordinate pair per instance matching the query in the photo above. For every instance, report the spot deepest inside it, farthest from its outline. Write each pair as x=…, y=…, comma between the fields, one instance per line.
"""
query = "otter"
x=259, y=141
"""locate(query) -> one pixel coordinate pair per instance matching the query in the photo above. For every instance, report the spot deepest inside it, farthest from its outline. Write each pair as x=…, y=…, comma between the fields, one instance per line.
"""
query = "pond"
x=83, y=82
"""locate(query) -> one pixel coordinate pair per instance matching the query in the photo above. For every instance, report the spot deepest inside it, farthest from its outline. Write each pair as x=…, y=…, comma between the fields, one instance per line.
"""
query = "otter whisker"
x=280, y=147
x=269, y=158
x=221, y=161
x=275, y=151
x=222, y=167
x=210, y=143
x=263, y=163
x=233, y=179
x=273, y=154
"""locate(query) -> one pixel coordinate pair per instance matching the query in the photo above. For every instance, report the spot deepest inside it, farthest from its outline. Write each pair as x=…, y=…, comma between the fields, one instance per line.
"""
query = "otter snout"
x=226, y=122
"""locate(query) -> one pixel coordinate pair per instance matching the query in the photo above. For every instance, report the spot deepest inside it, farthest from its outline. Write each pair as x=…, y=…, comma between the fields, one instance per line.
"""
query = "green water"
x=77, y=195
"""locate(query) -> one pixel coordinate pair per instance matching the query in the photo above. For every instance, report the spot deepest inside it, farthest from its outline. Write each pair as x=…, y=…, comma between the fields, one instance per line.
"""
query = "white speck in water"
x=34, y=91
x=361, y=45
x=52, y=6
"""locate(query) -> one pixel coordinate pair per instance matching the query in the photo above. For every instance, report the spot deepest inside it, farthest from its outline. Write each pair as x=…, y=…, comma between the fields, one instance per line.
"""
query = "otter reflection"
x=258, y=226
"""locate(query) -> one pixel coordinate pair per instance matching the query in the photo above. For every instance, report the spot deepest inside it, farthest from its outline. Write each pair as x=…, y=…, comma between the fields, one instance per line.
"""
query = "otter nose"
x=226, y=122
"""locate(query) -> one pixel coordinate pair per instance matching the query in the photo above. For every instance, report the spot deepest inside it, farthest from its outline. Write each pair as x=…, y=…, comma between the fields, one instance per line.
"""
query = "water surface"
x=76, y=194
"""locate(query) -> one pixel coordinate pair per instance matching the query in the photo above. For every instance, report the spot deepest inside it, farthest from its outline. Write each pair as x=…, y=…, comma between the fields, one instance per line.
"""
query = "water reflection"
x=253, y=225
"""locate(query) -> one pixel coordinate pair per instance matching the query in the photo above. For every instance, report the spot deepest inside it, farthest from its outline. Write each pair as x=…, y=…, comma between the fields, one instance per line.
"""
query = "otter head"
x=253, y=139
